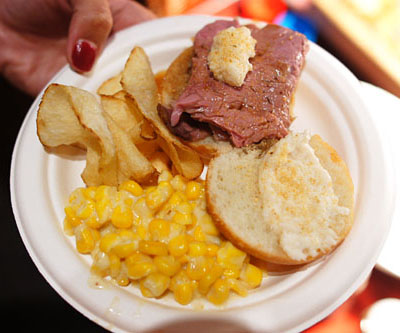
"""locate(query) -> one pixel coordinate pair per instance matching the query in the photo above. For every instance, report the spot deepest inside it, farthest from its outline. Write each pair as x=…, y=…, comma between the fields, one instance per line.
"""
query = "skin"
x=38, y=37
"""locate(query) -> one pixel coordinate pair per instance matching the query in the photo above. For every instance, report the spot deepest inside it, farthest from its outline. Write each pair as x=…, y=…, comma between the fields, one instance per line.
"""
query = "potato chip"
x=111, y=86
x=131, y=163
x=139, y=82
x=119, y=110
x=71, y=116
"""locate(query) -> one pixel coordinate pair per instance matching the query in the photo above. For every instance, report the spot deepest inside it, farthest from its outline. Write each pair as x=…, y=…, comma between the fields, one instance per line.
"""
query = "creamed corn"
x=161, y=237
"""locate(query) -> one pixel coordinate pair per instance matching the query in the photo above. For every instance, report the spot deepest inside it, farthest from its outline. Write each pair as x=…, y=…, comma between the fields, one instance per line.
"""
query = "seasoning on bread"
x=288, y=205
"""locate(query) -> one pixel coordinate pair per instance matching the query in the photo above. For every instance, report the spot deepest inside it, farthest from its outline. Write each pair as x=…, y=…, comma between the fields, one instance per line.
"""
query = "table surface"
x=27, y=296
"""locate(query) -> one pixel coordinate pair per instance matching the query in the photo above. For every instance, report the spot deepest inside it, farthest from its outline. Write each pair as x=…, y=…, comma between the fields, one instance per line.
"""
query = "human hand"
x=39, y=37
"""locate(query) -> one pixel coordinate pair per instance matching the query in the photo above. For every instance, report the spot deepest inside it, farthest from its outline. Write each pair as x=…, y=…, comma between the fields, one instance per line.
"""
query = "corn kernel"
x=86, y=210
x=93, y=222
x=230, y=257
x=209, y=278
x=183, y=293
x=107, y=242
x=89, y=192
x=233, y=272
x=212, y=250
x=124, y=250
x=154, y=285
x=167, y=265
x=142, y=232
x=199, y=234
x=139, y=266
x=131, y=187
x=153, y=248
x=193, y=190
x=178, y=183
x=160, y=195
x=197, y=249
x=208, y=225
x=85, y=240
x=178, y=246
x=239, y=287
x=252, y=275
x=219, y=292
x=196, y=268
x=159, y=229
x=183, y=219
x=122, y=218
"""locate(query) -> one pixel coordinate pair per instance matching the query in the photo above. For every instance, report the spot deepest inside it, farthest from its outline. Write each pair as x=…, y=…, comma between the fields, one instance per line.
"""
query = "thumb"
x=89, y=29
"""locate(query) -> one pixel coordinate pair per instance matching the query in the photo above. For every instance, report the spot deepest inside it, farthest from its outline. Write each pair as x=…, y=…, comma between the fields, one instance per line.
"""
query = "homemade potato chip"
x=111, y=86
x=139, y=82
x=131, y=163
x=71, y=116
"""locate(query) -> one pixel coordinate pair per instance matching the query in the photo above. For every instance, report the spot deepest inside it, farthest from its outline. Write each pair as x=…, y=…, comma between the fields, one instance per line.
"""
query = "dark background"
x=27, y=301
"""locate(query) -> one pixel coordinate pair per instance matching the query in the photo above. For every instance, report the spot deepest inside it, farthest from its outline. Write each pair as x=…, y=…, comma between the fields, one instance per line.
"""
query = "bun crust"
x=234, y=201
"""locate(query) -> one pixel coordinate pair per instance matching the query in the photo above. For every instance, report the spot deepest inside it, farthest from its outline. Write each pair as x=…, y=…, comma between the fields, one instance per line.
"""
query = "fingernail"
x=84, y=55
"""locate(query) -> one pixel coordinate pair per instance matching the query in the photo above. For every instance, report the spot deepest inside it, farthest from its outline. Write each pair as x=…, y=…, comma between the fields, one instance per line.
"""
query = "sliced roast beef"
x=260, y=108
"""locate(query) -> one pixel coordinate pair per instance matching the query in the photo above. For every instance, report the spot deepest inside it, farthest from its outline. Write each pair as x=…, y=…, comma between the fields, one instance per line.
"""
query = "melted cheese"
x=299, y=202
x=229, y=57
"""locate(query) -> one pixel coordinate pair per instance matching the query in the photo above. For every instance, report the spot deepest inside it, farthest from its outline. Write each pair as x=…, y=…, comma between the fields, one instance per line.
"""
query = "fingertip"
x=83, y=55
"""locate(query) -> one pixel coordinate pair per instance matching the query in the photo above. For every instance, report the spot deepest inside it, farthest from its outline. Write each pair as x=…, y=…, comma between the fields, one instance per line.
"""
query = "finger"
x=90, y=26
x=127, y=12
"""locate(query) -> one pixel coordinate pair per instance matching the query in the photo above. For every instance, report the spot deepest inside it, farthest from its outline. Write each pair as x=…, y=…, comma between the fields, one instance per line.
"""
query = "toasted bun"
x=259, y=221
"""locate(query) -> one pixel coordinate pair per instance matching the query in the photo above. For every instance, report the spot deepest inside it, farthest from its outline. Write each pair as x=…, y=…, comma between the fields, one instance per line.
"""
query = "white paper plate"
x=328, y=102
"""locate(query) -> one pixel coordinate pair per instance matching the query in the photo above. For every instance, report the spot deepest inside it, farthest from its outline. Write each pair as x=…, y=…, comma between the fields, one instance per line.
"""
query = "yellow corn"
x=158, y=196
x=197, y=249
x=122, y=218
x=178, y=245
x=154, y=285
x=160, y=236
x=159, y=229
x=212, y=250
x=153, y=248
x=124, y=250
x=196, y=268
x=178, y=183
x=229, y=256
x=199, y=234
x=131, y=187
x=208, y=225
x=139, y=266
x=239, y=287
x=85, y=240
x=209, y=278
x=167, y=265
x=219, y=292
x=252, y=275
x=193, y=190
x=108, y=241
x=183, y=219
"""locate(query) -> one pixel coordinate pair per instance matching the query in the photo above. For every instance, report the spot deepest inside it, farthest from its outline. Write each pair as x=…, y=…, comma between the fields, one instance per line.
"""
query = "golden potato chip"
x=71, y=116
x=111, y=86
x=139, y=82
x=160, y=160
x=131, y=163
x=120, y=112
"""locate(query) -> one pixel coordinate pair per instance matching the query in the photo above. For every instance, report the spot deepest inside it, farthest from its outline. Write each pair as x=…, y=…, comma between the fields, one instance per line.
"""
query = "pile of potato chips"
x=123, y=135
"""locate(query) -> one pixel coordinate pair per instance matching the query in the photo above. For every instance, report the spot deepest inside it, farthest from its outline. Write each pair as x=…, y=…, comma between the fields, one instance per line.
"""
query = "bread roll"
x=289, y=205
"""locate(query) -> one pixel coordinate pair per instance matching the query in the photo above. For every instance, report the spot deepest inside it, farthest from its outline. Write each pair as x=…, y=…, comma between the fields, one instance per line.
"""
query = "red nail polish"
x=84, y=55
